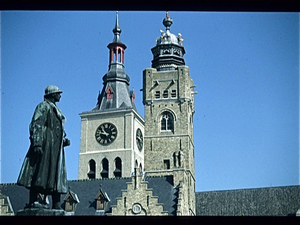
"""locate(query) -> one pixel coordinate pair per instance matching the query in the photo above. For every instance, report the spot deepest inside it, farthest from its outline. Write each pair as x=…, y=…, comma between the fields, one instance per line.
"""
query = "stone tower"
x=168, y=97
x=112, y=133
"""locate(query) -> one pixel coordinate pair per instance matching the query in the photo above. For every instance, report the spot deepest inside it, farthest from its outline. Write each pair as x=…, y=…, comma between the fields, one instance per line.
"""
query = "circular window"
x=136, y=208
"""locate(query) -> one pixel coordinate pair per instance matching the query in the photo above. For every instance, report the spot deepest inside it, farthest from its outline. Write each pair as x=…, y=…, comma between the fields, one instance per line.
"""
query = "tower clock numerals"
x=106, y=133
x=139, y=139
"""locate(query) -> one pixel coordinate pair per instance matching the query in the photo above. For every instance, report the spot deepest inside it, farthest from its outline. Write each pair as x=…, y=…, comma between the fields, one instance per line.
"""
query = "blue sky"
x=245, y=67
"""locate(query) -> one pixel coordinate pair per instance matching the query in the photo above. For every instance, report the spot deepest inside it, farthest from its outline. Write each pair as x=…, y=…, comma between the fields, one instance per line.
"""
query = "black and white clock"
x=106, y=133
x=139, y=139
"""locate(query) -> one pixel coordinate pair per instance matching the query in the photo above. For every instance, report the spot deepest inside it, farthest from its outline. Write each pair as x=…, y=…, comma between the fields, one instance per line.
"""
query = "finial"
x=167, y=22
x=117, y=30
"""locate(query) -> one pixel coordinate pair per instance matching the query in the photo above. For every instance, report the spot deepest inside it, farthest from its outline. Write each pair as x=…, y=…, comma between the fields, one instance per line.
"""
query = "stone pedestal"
x=40, y=212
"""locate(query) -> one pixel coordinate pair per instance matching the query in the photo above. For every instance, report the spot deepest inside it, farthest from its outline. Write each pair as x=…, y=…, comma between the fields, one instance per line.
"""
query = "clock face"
x=106, y=133
x=139, y=139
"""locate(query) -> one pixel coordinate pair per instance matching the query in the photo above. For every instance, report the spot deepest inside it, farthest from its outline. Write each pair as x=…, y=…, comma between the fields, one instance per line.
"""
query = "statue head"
x=51, y=89
x=52, y=93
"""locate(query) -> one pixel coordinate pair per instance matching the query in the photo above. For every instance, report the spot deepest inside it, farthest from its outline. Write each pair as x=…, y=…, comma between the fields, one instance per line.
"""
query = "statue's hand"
x=38, y=150
x=66, y=142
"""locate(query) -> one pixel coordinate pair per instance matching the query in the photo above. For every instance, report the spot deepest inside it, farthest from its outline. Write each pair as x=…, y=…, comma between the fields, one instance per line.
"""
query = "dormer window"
x=71, y=201
x=101, y=200
x=69, y=205
x=100, y=204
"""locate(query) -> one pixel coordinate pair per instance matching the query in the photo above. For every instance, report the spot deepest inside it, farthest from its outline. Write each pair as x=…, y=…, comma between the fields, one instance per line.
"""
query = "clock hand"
x=103, y=132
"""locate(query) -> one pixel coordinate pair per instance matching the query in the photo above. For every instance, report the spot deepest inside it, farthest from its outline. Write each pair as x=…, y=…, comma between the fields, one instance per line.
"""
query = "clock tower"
x=112, y=133
x=168, y=97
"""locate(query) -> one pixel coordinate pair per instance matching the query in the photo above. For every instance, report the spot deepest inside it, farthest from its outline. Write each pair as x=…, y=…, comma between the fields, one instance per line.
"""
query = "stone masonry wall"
x=177, y=145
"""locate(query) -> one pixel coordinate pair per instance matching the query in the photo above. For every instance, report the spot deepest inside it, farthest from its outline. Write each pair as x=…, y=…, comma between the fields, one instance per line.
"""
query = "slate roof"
x=273, y=201
x=87, y=190
x=164, y=189
x=19, y=196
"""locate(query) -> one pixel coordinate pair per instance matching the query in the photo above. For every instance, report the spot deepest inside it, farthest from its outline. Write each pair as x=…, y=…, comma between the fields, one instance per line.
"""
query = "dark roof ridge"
x=112, y=178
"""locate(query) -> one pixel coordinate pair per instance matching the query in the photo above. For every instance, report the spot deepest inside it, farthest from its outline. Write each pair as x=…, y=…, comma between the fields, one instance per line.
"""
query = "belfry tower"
x=168, y=97
x=112, y=133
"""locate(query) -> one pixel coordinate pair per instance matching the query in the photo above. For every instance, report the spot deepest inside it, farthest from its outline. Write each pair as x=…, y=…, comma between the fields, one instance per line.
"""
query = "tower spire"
x=115, y=93
x=117, y=30
x=116, y=47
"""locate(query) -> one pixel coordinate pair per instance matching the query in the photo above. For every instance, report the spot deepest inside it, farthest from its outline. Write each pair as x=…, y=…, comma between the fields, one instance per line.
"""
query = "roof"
x=87, y=190
x=274, y=201
x=168, y=52
x=271, y=201
x=164, y=189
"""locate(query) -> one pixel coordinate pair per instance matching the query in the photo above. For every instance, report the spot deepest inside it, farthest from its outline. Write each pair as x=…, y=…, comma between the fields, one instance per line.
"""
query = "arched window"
x=119, y=55
x=115, y=55
x=118, y=165
x=167, y=122
x=92, y=169
x=136, y=164
x=141, y=167
x=104, y=172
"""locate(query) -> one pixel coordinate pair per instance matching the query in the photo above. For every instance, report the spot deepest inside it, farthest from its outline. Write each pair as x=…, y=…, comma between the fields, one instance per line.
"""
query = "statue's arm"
x=66, y=141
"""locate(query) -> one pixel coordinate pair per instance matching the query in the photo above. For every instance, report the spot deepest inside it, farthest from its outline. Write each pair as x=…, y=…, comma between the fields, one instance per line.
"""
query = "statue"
x=44, y=170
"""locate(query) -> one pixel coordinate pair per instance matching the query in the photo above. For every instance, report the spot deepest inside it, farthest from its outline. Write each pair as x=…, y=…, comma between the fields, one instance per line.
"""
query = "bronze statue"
x=44, y=170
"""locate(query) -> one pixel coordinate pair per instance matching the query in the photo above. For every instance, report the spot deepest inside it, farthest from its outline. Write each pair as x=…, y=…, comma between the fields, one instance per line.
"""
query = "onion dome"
x=168, y=52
